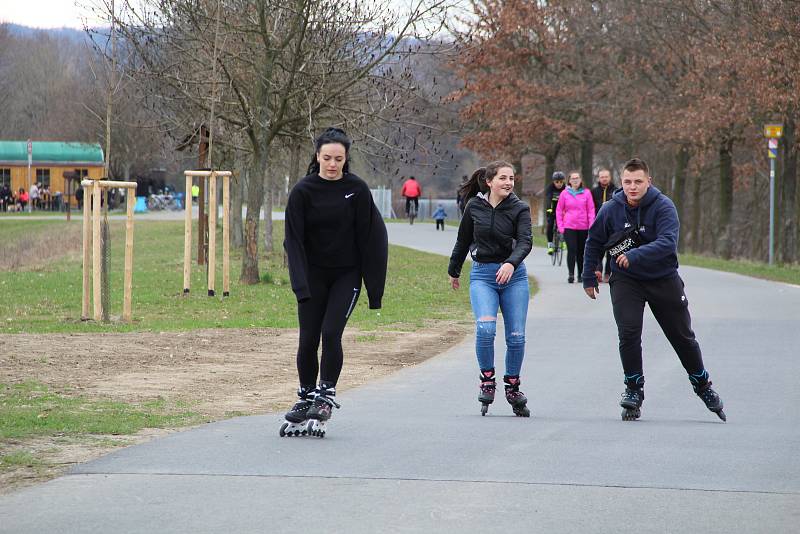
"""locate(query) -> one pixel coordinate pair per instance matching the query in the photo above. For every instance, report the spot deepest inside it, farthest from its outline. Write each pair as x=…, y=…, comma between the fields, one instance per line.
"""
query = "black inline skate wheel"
x=484, y=409
x=722, y=415
x=282, y=431
x=631, y=414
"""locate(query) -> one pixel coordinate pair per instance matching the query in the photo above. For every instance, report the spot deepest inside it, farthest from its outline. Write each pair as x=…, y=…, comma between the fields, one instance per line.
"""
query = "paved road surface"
x=411, y=453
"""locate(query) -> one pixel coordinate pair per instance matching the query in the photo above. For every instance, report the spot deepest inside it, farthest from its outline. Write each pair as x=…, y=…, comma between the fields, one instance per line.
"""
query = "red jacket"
x=411, y=189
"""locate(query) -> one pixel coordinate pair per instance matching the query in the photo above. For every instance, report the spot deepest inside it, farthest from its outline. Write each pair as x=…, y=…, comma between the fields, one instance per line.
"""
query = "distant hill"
x=72, y=34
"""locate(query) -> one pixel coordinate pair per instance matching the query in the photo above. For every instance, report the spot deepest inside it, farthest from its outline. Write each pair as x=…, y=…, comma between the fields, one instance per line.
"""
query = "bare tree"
x=284, y=66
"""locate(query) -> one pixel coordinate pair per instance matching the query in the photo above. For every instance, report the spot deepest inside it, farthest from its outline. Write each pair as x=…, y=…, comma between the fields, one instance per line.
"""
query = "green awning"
x=51, y=152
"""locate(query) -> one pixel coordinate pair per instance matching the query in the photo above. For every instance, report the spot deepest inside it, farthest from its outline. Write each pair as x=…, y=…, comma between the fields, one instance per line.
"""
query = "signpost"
x=772, y=132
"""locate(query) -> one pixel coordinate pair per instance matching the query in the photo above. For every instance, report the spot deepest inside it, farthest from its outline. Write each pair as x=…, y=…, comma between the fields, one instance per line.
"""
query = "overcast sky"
x=63, y=13
x=44, y=13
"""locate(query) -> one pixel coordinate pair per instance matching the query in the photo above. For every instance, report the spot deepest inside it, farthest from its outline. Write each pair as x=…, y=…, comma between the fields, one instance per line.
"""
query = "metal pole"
x=771, y=210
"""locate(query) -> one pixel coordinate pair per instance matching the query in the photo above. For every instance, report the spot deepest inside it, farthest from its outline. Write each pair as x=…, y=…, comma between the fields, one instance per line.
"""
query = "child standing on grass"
x=439, y=216
x=335, y=238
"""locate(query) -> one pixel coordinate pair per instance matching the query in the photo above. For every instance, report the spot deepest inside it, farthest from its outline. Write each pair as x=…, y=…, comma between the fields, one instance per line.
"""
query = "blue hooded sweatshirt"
x=657, y=218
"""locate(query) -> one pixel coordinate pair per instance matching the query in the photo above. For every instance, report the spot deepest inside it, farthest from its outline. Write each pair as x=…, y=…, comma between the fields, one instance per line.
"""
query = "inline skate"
x=296, y=419
x=702, y=388
x=488, y=386
x=515, y=397
x=631, y=403
x=321, y=410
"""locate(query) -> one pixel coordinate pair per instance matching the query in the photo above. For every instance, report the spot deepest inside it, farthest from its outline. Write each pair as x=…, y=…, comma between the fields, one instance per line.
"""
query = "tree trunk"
x=518, y=183
x=697, y=215
x=255, y=199
x=681, y=169
x=587, y=160
x=269, y=195
x=237, y=201
x=725, y=196
x=789, y=224
x=550, y=157
x=294, y=163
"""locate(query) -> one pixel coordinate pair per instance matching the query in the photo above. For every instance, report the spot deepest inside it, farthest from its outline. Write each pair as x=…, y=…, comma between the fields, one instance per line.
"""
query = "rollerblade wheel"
x=484, y=409
x=522, y=412
x=631, y=414
x=282, y=431
x=722, y=415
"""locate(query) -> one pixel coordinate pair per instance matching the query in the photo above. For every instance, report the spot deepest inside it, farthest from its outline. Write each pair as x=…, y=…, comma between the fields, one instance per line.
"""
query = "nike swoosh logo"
x=349, y=195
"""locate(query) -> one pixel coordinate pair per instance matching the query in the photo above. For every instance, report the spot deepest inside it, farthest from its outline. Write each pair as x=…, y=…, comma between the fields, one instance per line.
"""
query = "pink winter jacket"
x=575, y=211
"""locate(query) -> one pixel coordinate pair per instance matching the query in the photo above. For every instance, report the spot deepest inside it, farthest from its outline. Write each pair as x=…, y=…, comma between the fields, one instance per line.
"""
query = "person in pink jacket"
x=574, y=215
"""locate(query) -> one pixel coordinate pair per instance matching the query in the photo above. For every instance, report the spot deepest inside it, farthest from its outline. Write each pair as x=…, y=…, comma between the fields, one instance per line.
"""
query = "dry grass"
x=40, y=247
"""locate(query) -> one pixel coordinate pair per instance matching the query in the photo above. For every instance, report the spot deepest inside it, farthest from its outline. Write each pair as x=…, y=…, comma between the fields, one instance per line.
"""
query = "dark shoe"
x=571, y=280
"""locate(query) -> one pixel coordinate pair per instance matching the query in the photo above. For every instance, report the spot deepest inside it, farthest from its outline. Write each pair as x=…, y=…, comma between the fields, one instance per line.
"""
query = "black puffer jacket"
x=492, y=235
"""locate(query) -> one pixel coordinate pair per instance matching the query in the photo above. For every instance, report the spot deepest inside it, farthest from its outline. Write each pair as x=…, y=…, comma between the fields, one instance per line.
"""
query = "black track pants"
x=576, y=241
x=334, y=293
x=670, y=307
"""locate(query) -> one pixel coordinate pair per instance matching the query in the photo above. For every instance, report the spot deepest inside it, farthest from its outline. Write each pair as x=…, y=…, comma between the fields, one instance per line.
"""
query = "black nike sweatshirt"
x=334, y=224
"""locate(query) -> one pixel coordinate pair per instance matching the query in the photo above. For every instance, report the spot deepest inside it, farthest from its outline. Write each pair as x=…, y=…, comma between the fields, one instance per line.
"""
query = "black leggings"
x=576, y=241
x=551, y=223
x=670, y=307
x=334, y=293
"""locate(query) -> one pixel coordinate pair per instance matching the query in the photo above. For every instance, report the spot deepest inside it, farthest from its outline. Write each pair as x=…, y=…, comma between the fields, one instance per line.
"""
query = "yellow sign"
x=773, y=131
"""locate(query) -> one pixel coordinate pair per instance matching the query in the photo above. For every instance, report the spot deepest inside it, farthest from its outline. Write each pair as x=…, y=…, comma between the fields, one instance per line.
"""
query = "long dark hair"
x=330, y=135
x=477, y=182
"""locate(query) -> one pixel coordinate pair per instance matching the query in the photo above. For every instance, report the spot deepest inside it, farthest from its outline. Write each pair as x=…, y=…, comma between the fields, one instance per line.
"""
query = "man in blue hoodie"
x=639, y=228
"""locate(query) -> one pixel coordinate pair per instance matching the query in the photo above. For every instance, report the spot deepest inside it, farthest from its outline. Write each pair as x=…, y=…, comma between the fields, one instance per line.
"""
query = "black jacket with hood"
x=492, y=235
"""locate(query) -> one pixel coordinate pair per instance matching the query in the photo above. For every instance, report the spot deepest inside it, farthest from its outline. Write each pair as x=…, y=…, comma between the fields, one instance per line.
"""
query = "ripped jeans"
x=512, y=298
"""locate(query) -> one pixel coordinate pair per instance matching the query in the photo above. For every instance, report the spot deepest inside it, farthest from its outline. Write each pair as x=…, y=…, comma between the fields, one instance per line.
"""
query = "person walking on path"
x=439, y=216
x=411, y=191
x=601, y=193
x=496, y=231
x=639, y=227
x=335, y=238
x=551, y=194
x=574, y=216
x=34, y=196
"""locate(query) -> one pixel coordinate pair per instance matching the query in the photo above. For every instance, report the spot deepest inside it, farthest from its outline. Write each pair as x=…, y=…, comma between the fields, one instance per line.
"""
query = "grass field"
x=32, y=409
x=47, y=297
x=779, y=273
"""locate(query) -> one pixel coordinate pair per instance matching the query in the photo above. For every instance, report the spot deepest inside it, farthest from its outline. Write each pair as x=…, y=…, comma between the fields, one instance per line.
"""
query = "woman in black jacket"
x=335, y=238
x=496, y=231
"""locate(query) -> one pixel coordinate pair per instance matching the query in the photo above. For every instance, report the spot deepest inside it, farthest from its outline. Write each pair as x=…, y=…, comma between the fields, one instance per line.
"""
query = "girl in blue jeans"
x=496, y=231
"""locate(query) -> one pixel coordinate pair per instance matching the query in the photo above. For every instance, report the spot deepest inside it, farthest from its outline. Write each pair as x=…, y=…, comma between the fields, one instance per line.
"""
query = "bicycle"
x=412, y=212
x=558, y=247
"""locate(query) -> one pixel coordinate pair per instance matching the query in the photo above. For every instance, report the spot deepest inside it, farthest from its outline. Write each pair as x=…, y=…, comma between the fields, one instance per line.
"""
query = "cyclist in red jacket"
x=411, y=191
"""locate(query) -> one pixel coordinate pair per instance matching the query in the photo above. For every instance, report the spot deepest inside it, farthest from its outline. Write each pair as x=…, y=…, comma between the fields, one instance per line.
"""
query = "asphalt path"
x=411, y=452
